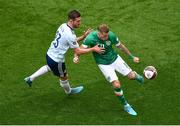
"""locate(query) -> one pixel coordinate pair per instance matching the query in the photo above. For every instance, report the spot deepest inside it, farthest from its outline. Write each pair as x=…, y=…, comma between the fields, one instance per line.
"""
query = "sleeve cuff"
x=85, y=46
x=118, y=44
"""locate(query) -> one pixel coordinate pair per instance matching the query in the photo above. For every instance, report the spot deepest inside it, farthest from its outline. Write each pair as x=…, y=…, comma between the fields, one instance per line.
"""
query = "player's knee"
x=132, y=75
x=116, y=84
x=64, y=78
x=48, y=68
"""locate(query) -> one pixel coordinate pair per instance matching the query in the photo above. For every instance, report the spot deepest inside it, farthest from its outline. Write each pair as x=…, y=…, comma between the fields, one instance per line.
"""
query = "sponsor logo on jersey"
x=101, y=45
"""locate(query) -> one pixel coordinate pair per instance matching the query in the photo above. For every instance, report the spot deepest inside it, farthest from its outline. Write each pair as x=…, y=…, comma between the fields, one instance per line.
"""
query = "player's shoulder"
x=92, y=35
x=112, y=34
x=113, y=37
x=68, y=32
x=62, y=27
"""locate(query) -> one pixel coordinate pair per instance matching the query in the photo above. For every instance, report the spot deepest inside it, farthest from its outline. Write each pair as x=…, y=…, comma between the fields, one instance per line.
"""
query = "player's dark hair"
x=73, y=14
x=103, y=28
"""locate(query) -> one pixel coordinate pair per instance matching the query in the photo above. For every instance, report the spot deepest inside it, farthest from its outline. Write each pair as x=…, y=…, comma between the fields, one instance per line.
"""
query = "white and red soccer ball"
x=150, y=72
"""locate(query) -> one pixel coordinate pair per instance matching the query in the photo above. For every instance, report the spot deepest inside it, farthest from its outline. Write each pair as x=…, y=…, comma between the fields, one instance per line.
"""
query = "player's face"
x=103, y=36
x=76, y=23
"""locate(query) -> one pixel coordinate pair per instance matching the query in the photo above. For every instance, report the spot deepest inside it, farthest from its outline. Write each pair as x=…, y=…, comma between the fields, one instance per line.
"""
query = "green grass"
x=149, y=28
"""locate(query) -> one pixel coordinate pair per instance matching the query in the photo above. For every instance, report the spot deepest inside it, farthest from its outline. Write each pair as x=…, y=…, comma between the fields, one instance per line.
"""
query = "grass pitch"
x=149, y=28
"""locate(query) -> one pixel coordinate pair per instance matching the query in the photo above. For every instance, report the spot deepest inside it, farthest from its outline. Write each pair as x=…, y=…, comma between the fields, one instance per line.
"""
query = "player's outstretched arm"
x=126, y=50
x=76, y=58
x=80, y=51
x=80, y=38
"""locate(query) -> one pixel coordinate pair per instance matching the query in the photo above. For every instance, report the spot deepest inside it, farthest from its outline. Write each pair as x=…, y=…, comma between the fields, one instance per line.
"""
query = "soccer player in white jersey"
x=65, y=38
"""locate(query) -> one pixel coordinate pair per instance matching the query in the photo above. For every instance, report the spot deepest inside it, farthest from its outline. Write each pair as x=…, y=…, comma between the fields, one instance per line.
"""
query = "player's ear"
x=70, y=20
x=98, y=33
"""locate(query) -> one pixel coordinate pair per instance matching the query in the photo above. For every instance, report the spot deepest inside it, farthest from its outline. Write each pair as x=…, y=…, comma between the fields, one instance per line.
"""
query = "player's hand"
x=98, y=49
x=136, y=59
x=76, y=59
x=87, y=31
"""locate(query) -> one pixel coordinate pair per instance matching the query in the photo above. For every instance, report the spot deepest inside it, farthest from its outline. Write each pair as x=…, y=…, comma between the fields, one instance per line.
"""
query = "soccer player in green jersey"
x=109, y=61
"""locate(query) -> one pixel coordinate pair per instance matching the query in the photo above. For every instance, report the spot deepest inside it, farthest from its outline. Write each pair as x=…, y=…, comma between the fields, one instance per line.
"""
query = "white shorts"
x=118, y=65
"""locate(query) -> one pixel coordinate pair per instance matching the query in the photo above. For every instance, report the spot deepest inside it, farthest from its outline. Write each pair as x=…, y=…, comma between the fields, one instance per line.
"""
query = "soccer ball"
x=150, y=72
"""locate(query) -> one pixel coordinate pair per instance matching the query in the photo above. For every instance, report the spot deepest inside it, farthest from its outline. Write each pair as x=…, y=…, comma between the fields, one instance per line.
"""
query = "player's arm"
x=84, y=48
x=80, y=51
x=76, y=56
x=73, y=44
x=126, y=50
x=80, y=38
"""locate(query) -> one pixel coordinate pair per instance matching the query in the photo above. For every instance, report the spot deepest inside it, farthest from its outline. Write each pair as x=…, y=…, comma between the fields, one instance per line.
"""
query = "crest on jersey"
x=108, y=43
x=74, y=43
x=108, y=78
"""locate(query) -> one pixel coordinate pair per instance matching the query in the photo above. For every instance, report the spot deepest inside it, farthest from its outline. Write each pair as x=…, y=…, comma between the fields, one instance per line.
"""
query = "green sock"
x=119, y=93
x=139, y=78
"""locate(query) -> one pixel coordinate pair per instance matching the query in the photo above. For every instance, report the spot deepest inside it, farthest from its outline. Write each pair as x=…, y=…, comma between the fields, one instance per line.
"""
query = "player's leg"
x=121, y=66
x=109, y=73
x=135, y=76
x=59, y=70
x=119, y=93
x=64, y=82
x=44, y=69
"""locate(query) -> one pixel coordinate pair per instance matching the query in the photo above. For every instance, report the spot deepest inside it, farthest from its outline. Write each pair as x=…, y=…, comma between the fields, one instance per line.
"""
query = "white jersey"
x=65, y=38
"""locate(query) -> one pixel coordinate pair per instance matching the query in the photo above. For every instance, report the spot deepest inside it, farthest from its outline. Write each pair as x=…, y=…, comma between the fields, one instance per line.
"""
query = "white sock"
x=65, y=85
x=44, y=69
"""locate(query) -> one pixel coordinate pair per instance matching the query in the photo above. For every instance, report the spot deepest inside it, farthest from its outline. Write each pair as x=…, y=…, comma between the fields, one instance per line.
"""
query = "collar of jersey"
x=69, y=27
x=96, y=33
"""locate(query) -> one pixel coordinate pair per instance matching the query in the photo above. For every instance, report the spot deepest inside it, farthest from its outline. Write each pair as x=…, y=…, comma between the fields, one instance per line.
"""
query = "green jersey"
x=109, y=56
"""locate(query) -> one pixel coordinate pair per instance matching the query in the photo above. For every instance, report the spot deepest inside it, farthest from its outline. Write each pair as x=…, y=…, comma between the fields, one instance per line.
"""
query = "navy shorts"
x=58, y=69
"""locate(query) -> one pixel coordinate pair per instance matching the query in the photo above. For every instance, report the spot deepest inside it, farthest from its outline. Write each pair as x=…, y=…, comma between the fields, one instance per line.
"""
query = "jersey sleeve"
x=87, y=42
x=115, y=39
x=72, y=41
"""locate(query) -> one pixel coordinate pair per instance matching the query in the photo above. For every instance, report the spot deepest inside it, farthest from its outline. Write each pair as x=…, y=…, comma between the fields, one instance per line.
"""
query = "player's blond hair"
x=103, y=28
